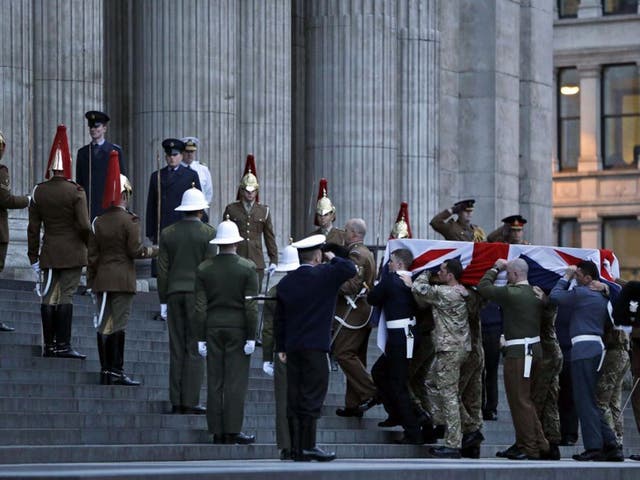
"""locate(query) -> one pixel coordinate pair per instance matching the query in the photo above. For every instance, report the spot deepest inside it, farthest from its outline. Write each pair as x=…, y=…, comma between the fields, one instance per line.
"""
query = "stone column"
x=590, y=9
x=419, y=90
x=184, y=83
x=352, y=135
x=589, y=159
x=264, y=105
x=16, y=97
x=536, y=113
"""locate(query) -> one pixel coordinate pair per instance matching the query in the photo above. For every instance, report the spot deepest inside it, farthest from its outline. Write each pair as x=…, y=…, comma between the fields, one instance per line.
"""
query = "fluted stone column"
x=352, y=86
x=264, y=105
x=418, y=44
x=184, y=83
x=536, y=113
x=16, y=95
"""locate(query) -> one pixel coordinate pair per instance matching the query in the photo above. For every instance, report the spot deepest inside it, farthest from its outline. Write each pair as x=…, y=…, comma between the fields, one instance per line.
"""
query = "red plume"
x=250, y=166
x=322, y=191
x=60, y=147
x=403, y=214
x=112, y=187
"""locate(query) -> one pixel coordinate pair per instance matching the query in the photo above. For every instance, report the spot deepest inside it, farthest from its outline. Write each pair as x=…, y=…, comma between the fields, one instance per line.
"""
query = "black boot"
x=296, y=441
x=63, y=317
x=309, y=449
x=104, y=368
x=48, y=330
x=115, y=349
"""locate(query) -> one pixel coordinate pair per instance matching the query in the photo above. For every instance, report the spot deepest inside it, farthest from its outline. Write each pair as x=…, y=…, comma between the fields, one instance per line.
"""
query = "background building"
x=596, y=181
x=427, y=101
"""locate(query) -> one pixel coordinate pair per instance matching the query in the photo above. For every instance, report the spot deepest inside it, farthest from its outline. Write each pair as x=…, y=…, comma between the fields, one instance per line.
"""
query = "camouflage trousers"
x=470, y=388
x=443, y=382
x=609, y=389
x=544, y=394
x=418, y=371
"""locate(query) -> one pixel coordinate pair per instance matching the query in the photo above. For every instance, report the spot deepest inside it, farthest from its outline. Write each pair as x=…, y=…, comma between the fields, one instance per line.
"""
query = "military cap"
x=310, y=243
x=172, y=146
x=190, y=143
x=95, y=118
x=516, y=222
x=464, y=205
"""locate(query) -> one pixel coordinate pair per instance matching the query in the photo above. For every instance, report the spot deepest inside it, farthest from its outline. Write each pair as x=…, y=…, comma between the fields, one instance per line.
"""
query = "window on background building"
x=568, y=118
x=617, y=7
x=568, y=8
x=622, y=235
x=568, y=233
x=620, y=116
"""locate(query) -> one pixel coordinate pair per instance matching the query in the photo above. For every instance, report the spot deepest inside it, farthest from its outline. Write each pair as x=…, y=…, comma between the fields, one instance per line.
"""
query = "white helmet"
x=288, y=260
x=227, y=234
x=192, y=201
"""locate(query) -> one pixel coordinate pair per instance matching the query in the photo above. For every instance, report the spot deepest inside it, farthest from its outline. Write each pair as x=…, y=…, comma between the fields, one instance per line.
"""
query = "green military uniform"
x=450, y=229
x=229, y=320
x=183, y=246
x=283, y=439
x=452, y=343
x=7, y=201
x=350, y=345
x=254, y=223
x=614, y=367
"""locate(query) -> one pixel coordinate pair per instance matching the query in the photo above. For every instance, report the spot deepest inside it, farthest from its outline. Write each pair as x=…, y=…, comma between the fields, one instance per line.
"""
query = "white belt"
x=404, y=323
x=528, y=353
x=591, y=338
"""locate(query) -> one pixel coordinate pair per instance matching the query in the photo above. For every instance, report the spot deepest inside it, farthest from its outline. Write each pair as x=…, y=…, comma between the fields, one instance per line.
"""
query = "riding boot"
x=48, y=330
x=63, y=317
x=116, y=372
x=104, y=368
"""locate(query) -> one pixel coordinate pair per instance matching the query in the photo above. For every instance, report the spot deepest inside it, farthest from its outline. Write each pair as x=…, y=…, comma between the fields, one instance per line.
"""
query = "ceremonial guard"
x=460, y=229
x=7, y=202
x=229, y=321
x=254, y=222
x=326, y=216
x=272, y=365
x=511, y=231
x=305, y=305
x=183, y=246
x=60, y=206
x=92, y=161
x=111, y=273
x=352, y=327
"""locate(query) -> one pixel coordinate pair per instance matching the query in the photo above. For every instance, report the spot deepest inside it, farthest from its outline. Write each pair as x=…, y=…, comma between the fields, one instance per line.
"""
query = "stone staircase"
x=54, y=410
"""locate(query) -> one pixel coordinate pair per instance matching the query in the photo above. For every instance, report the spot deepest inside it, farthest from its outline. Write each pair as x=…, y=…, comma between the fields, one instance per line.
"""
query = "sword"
x=259, y=331
x=630, y=395
x=40, y=281
x=352, y=306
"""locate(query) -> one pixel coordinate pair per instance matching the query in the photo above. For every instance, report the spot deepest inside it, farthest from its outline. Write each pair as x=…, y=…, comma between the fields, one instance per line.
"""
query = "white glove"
x=267, y=367
x=271, y=268
x=163, y=310
x=36, y=267
x=249, y=347
x=202, y=349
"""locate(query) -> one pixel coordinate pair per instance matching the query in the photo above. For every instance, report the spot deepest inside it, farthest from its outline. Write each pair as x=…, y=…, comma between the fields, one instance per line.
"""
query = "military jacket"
x=254, y=225
x=450, y=314
x=113, y=245
x=60, y=206
x=365, y=264
x=8, y=201
x=453, y=230
x=335, y=235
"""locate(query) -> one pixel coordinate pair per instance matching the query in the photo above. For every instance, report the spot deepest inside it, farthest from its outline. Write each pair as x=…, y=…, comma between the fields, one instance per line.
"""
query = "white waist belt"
x=591, y=338
x=528, y=353
x=404, y=323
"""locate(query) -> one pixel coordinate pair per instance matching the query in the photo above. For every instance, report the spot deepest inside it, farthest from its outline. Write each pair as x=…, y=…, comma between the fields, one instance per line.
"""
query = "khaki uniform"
x=453, y=230
x=335, y=235
x=7, y=201
x=183, y=246
x=222, y=283
x=452, y=341
x=350, y=345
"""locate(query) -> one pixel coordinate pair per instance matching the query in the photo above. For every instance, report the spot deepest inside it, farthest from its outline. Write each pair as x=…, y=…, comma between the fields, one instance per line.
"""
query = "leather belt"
x=591, y=338
x=528, y=351
x=404, y=323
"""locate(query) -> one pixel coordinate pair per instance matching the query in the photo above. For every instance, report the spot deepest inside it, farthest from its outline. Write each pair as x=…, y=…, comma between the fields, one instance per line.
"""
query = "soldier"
x=163, y=198
x=7, y=201
x=111, y=273
x=60, y=206
x=229, y=323
x=326, y=216
x=352, y=330
x=452, y=345
x=460, y=229
x=183, y=246
x=93, y=159
x=306, y=300
x=254, y=222
x=511, y=231
x=271, y=364
x=191, y=145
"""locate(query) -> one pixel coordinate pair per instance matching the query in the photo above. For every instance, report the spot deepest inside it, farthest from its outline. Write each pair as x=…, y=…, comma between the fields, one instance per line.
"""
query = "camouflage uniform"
x=614, y=367
x=546, y=383
x=419, y=366
x=470, y=385
x=452, y=345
